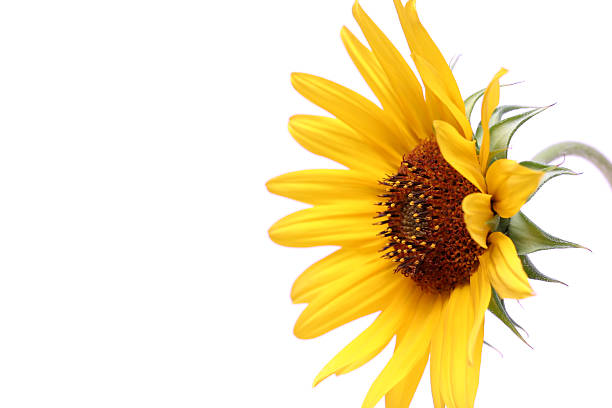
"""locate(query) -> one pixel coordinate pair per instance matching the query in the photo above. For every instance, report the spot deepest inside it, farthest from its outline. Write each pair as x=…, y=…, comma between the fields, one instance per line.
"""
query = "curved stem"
x=577, y=149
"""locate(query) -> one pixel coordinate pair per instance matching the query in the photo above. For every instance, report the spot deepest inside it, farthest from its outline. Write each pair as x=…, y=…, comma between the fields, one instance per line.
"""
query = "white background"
x=135, y=141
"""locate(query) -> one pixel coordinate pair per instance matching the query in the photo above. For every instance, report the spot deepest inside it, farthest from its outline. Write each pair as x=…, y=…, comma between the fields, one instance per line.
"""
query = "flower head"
x=423, y=216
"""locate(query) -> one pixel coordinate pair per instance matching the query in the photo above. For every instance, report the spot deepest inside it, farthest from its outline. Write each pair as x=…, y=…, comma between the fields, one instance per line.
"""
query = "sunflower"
x=422, y=216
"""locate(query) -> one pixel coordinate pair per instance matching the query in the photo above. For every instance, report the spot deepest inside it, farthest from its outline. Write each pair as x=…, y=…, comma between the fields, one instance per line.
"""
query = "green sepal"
x=496, y=117
x=492, y=347
x=528, y=237
x=533, y=272
x=550, y=172
x=493, y=223
x=498, y=308
x=453, y=61
x=470, y=102
x=502, y=132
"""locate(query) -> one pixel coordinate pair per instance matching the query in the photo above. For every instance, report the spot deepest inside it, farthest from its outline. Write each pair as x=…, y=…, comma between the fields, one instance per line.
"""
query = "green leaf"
x=533, y=272
x=528, y=237
x=502, y=132
x=498, y=308
x=550, y=172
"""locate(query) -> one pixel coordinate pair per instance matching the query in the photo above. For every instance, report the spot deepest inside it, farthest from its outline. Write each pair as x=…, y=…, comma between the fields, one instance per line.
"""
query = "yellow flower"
x=428, y=253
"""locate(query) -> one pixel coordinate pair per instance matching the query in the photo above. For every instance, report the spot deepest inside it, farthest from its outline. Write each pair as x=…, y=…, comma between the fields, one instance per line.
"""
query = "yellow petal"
x=404, y=291
x=368, y=290
x=401, y=395
x=461, y=317
x=421, y=44
x=432, y=81
x=332, y=138
x=410, y=351
x=476, y=212
x=329, y=269
x=481, y=294
x=511, y=184
x=437, y=343
x=372, y=340
x=474, y=366
x=377, y=80
x=459, y=153
x=489, y=103
x=325, y=186
x=358, y=363
x=346, y=224
x=400, y=75
x=370, y=70
x=453, y=379
x=439, y=373
x=359, y=113
x=505, y=269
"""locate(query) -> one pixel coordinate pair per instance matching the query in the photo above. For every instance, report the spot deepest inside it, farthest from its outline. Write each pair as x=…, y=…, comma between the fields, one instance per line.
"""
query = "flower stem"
x=577, y=149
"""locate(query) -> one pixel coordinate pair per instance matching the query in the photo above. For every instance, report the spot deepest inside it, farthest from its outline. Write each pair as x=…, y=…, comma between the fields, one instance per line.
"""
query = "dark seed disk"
x=427, y=236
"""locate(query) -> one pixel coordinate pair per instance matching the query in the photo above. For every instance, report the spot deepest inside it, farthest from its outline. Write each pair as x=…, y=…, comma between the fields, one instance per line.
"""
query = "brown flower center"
x=427, y=235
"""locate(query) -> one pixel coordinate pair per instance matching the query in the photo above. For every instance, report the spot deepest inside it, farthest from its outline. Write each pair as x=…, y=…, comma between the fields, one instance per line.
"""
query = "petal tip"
x=357, y=10
x=298, y=331
x=298, y=78
x=274, y=234
x=295, y=295
x=320, y=377
x=269, y=184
